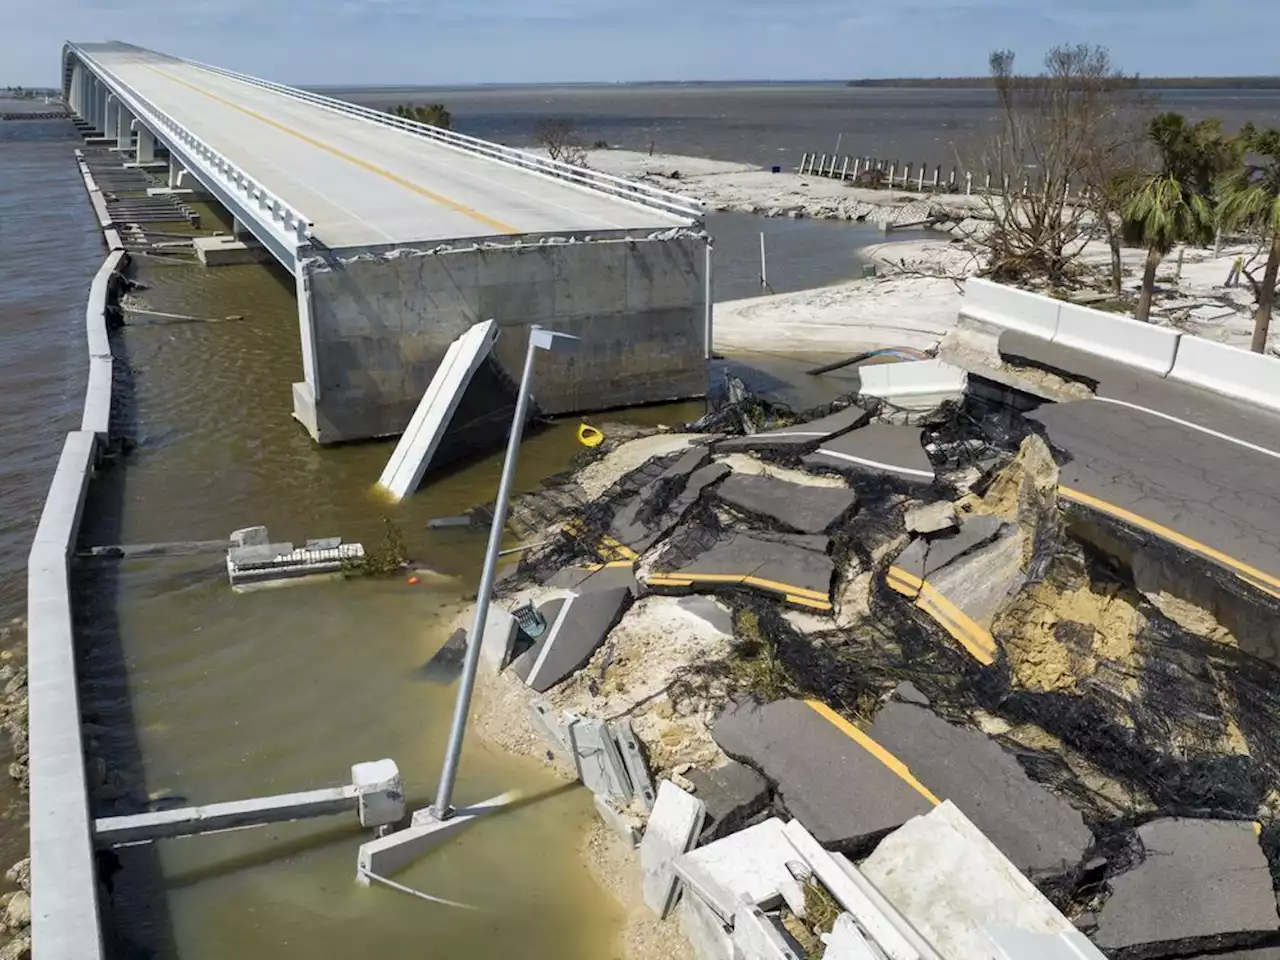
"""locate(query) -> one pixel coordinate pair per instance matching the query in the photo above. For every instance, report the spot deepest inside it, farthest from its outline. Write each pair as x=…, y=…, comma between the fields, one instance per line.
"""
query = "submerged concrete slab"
x=1038, y=831
x=413, y=453
x=877, y=448
x=580, y=626
x=445, y=665
x=228, y=251
x=1204, y=886
x=795, y=506
x=672, y=830
x=951, y=882
x=848, y=790
x=799, y=435
x=799, y=575
x=733, y=793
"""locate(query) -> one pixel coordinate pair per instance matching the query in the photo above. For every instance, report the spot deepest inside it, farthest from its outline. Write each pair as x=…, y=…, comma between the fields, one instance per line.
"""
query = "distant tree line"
x=1144, y=83
x=1152, y=181
x=433, y=114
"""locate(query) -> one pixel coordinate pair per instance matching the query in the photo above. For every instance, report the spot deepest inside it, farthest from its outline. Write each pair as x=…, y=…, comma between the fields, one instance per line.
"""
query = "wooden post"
x=764, y=274
x=937, y=174
x=987, y=188
x=1026, y=181
x=822, y=164
x=856, y=163
x=893, y=169
x=804, y=158
x=968, y=184
x=920, y=179
x=1005, y=185
x=844, y=173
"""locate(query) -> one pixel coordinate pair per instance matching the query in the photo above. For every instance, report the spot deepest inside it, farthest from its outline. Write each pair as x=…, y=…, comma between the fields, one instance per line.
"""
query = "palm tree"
x=1174, y=204
x=1250, y=198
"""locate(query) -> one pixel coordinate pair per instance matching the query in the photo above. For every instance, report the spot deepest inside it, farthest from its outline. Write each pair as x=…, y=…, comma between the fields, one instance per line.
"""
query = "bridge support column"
x=76, y=91
x=175, y=172
x=146, y=144
x=101, y=120
x=124, y=128
x=240, y=231
x=111, y=125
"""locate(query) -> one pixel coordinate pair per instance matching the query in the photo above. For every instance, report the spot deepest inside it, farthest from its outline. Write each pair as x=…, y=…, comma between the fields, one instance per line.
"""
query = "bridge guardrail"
x=583, y=177
x=291, y=223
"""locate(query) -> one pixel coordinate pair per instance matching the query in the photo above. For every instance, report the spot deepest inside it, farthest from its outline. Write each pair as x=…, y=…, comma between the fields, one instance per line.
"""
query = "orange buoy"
x=413, y=581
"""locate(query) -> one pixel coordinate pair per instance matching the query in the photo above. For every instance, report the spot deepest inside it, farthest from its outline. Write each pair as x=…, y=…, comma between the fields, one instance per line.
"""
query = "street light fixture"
x=539, y=339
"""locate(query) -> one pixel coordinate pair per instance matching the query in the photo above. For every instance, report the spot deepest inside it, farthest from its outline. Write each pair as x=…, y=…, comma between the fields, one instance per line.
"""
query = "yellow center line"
x=979, y=643
x=1263, y=581
x=873, y=748
x=453, y=205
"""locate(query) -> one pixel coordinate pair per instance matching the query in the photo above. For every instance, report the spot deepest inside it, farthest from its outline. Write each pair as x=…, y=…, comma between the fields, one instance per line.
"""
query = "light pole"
x=539, y=339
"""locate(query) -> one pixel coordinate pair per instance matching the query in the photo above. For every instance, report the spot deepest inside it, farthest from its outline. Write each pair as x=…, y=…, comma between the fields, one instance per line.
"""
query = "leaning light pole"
x=539, y=339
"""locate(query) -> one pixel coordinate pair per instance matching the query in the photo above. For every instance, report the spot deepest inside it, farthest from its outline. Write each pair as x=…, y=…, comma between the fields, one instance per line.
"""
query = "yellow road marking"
x=873, y=748
x=453, y=205
x=956, y=622
x=1262, y=581
x=799, y=595
x=822, y=605
x=904, y=583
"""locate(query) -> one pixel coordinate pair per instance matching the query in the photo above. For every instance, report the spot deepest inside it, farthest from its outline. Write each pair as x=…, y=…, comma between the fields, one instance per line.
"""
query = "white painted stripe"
x=1193, y=426
x=552, y=630
x=927, y=474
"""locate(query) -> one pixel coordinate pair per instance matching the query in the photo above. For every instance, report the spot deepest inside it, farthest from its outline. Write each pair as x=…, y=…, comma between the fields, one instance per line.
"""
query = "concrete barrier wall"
x=97, y=400
x=1252, y=377
x=1010, y=307
x=382, y=320
x=1138, y=344
x=911, y=378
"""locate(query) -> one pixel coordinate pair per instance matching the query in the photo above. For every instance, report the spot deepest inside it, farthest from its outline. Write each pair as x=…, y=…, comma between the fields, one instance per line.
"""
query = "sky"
x=432, y=42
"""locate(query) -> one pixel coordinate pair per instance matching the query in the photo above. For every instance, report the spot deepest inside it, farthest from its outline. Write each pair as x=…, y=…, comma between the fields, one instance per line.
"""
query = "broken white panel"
x=912, y=378
x=599, y=764
x=633, y=758
x=756, y=937
x=846, y=942
x=750, y=864
x=953, y=884
x=673, y=829
x=277, y=562
x=706, y=932
x=1021, y=945
x=422, y=436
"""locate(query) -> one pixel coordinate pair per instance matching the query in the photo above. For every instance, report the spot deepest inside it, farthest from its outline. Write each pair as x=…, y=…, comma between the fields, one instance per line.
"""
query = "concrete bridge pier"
x=146, y=144
x=124, y=128
x=111, y=123
x=77, y=90
x=175, y=172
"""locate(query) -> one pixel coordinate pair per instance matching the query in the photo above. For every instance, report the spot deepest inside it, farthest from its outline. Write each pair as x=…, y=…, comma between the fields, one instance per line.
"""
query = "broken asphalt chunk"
x=795, y=506
x=878, y=448
x=798, y=436
x=733, y=793
x=580, y=625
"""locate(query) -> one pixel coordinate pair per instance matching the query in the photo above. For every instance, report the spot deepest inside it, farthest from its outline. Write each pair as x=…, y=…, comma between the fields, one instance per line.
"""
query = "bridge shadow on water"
x=133, y=904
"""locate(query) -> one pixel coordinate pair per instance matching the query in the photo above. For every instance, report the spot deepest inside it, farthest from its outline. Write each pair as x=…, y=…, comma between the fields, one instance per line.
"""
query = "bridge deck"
x=359, y=182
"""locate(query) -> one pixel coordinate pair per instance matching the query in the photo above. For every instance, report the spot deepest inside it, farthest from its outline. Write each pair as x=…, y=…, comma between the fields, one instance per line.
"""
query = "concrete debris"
x=672, y=830
x=733, y=793
x=699, y=480
x=604, y=576
x=784, y=569
x=975, y=531
x=1204, y=885
x=749, y=865
x=255, y=561
x=933, y=517
x=965, y=596
x=757, y=938
x=597, y=758
x=581, y=624
x=712, y=611
x=635, y=520
x=846, y=942
x=1039, y=832
x=633, y=759
x=877, y=448
x=951, y=882
x=445, y=665
x=798, y=436
x=847, y=789
x=618, y=820
x=803, y=509
x=708, y=934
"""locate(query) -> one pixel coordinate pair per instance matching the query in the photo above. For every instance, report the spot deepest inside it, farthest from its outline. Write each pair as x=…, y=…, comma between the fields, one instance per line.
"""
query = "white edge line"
x=551, y=634
x=878, y=465
x=1193, y=426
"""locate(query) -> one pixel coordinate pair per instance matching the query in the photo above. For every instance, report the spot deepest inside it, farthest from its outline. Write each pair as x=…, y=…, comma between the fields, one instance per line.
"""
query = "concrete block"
x=554, y=729
x=708, y=935
x=792, y=506
x=846, y=788
x=379, y=791
x=599, y=764
x=877, y=448
x=799, y=435
x=748, y=865
x=950, y=882
x=663, y=274
x=1252, y=377
x=1021, y=945
x=583, y=622
x=846, y=942
x=500, y=629
x=1010, y=307
x=733, y=793
x=1037, y=830
x=250, y=537
x=931, y=379
x=633, y=759
x=1138, y=344
x=392, y=853
x=672, y=830
x=1203, y=886
x=933, y=518
x=225, y=251
x=756, y=936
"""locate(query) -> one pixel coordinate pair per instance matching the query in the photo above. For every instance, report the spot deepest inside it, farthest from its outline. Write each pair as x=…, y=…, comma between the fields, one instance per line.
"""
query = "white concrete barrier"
x=1124, y=339
x=911, y=378
x=97, y=400
x=1010, y=307
x=1252, y=377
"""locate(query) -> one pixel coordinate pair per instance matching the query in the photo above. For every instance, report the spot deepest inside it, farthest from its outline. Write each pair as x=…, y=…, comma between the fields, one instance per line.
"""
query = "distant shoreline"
x=1147, y=83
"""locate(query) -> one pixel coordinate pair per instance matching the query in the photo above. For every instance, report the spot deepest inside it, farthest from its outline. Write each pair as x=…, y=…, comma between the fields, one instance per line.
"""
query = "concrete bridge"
x=399, y=236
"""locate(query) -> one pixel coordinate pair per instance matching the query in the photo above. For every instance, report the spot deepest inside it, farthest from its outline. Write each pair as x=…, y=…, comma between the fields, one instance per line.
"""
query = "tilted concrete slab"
x=950, y=882
x=750, y=864
x=733, y=793
x=672, y=830
x=641, y=520
x=975, y=531
x=877, y=448
x=1038, y=831
x=604, y=576
x=799, y=435
x=1204, y=886
x=798, y=575
x=412, y=455
x=581, y=625
x=848, y=790
x=794, y=506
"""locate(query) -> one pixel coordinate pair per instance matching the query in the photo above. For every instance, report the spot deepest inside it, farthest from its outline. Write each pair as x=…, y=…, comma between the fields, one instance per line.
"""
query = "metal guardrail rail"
x=583, y=177
x=289, y=222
